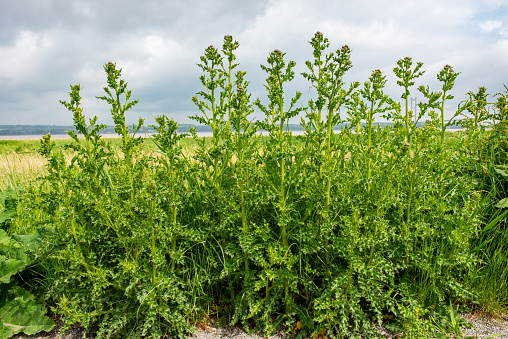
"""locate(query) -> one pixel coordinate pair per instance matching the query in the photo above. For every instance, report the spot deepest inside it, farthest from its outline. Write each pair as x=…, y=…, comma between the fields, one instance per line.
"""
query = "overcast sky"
x=47, y=45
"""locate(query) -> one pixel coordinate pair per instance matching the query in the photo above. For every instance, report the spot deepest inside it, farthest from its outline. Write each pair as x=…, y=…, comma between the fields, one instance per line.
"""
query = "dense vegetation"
x=321, y=234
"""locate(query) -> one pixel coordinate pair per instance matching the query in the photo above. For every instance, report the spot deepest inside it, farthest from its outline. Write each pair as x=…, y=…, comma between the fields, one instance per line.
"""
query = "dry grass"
x=17, y=169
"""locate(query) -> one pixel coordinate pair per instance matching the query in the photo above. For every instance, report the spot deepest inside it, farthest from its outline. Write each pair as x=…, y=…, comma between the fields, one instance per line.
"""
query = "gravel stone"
x=483, y=327
x=486, y=326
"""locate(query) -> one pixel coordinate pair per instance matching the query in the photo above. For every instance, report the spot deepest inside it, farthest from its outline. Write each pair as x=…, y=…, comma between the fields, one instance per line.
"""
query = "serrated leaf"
x=19, y=312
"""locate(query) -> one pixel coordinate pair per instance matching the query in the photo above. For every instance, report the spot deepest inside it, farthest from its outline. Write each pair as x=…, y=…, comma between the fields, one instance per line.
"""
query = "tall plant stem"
x=240, y=107
x=119, y=86
x=128, y=161
x=173, y=219
x=244, y=227
x=410, y=194
x=229, y=93
x=279, y=73
x=443, y=126
x=326, y=73
x=215, y=133
x=245, y=230
x=409, y=165
x=373, y=92
x=447, y=76
x=167, y=142
x=283, y=185
x=329, y=132
x=154, y=250
x=408, y=128
x=406, y=77
x=369, y=169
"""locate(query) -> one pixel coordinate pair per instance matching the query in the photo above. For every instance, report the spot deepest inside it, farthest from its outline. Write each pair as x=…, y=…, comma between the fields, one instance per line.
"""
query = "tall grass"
x=18, y=170
x=489, y=149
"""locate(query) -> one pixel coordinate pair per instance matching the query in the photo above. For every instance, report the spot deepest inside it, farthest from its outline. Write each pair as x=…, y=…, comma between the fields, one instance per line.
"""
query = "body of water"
x=65, y=136
x=146, y=135
x=53, y=136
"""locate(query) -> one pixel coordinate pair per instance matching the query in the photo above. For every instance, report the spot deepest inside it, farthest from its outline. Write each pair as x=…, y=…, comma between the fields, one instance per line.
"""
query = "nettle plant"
x=406, y=77
x=116, y=232
x=321, y=234
x=326, y=77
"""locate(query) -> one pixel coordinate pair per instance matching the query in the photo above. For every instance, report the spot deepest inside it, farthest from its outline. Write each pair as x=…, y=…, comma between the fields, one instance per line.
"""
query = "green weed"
x=320, y=234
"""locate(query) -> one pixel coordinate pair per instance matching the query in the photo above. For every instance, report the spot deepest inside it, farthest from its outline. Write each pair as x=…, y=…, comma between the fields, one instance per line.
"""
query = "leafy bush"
x=320, y=234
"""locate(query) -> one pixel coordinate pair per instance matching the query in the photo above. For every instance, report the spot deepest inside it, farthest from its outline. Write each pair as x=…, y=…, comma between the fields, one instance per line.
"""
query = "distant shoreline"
x=28, y=132
x=53, y=136
x=145, y=135
x=66, y=136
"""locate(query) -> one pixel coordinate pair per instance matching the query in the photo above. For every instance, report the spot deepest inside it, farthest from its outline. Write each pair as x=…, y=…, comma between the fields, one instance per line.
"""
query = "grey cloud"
x=45, y=45
x=181, y=19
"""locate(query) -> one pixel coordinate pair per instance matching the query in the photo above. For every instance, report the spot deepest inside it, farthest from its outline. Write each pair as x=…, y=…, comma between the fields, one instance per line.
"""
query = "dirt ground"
x=483, y=328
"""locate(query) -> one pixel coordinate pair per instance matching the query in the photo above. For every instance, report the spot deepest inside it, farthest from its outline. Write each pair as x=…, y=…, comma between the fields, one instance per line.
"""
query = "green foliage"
x=436, y=100
x=490, y=152
x=119, y=86
x=9, y=200
x=407, y=76
x=113, y=237
x=477, y=107
x=321, y=234
x=19, y=311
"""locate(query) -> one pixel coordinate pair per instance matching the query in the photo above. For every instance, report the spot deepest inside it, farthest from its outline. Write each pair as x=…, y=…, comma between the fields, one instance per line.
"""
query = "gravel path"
x=486, y=326
x=483, y=328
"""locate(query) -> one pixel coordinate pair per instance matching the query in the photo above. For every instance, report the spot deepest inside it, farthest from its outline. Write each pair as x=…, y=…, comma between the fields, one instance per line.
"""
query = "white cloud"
x=488, y=26
x=19, y=63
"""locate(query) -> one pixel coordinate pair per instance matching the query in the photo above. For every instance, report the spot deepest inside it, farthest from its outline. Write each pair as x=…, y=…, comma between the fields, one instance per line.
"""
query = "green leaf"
x=9, y=199
x=19, y=312
x=10, y=267
x=6, y=242
x=32, y=242
x=14, y=259
x=502, y=203
x=501, y=172
x=8, y=193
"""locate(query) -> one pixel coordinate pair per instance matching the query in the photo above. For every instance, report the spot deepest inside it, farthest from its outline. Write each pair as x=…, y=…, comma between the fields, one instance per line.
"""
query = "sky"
x=48, y=45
